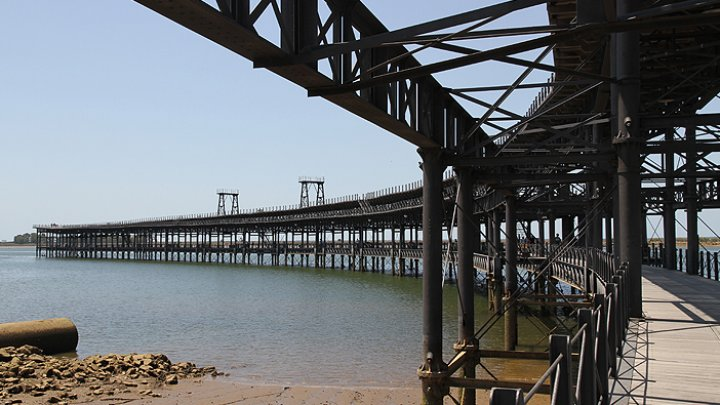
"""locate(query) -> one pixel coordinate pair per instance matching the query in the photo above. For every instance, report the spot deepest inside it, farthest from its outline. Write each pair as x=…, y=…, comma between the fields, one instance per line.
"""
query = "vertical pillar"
x=616, y=248
x=582, y=224
x=497, y=262
x=691, y=203
x=587, y=379
x=643, y=233
x=627, y=93
x=596, y=219
x=511, y=277
x=608, y=231
x=432, y=224
x=596, y=192
x=560, y=344
x=669, y=234
x=568, y=228
x=467, y=243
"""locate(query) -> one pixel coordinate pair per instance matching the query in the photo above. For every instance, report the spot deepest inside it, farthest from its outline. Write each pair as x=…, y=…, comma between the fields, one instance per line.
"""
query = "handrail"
x=535, y=388
x=600, y=335
x=580, y=333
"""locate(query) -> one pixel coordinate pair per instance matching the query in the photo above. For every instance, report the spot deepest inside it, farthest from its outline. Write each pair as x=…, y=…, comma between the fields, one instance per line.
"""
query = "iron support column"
x=511, y=278
x=431, y=371
x=670, y=237
x=596, y=219
x=497, y=262
x=643, y=232
x=541, y=234
x=609, y=229
x=568, y=228
x=616, y=221
x=467, y=243
x=596, y=192
x=691, y=198
x=627, y=63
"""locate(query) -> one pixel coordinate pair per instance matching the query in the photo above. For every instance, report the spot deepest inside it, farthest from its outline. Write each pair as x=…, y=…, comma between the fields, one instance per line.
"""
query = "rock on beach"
x=27, y=371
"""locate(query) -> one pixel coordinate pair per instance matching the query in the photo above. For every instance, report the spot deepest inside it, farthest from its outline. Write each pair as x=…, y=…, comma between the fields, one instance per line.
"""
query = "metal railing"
x=708, y=263
x=364, y=205
x=597, y=345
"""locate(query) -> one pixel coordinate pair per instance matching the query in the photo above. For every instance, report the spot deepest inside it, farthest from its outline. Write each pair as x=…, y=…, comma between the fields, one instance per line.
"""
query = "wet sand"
x=221, y=391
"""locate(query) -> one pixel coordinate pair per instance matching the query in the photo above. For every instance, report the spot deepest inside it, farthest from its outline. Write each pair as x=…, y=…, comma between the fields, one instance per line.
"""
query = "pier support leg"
x=497, y=263
x=541, y=236
x=431, y=371
x=627, y=140
x=670, y=236
x=467, y=243
x=568, y=228
x=691, y=198
x=511, y=277
x=609, y=232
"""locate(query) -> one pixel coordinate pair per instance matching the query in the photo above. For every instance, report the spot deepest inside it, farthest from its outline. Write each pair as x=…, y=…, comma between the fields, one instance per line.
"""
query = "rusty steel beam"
x=210, y=23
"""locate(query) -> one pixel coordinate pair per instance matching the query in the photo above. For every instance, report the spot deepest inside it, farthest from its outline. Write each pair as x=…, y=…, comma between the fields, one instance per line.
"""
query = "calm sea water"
x=270, y=324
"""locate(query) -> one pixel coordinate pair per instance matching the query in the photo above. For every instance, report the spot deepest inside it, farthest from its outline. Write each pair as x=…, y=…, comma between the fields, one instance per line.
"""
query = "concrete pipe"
x=57, y=335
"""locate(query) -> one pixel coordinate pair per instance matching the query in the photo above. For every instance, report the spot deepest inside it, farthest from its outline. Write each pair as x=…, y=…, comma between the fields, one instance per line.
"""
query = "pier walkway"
x=673, y=354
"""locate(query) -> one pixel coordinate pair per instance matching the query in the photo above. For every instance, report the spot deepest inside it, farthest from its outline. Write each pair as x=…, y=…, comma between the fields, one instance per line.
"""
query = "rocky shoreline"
x=25, y=372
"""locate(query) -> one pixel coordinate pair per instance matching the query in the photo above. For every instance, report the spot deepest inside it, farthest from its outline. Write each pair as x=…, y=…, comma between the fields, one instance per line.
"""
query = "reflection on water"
x=276, y=325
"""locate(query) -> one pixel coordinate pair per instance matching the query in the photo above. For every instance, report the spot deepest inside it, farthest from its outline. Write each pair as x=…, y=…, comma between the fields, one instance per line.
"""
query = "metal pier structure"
x=620, y=126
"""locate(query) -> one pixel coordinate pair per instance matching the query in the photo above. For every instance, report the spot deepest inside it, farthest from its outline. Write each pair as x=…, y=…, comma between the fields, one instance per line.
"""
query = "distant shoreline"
x=682, y=242
x=7, y=245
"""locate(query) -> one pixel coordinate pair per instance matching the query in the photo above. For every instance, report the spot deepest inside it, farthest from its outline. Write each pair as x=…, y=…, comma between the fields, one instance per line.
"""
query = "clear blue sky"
x=109, y=111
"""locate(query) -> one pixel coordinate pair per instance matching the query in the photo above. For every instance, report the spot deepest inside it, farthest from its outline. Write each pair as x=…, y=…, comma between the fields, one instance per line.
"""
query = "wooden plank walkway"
x=673, y=355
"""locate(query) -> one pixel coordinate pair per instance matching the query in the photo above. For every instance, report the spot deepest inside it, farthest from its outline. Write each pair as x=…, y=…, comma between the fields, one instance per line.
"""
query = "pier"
x=673, y=350
x=547, y=206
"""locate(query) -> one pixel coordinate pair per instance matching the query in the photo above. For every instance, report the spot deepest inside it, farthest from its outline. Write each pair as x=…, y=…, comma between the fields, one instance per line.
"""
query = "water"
x=270, y=324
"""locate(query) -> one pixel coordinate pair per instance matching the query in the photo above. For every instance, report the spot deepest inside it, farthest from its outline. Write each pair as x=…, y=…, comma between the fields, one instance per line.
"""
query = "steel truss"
x=622, y=77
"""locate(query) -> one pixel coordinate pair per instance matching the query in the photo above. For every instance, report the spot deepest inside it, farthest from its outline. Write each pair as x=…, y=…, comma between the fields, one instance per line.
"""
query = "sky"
x=109, y=111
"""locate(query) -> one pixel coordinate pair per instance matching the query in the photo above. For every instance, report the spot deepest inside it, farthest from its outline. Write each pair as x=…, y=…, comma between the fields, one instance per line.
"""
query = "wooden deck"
x=673, y=355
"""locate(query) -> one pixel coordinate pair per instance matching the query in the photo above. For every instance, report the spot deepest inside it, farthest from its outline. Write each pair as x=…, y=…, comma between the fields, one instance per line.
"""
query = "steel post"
x=603, y=362
x=497, y=262
x=552, y=235
x=588, y=387
x=612, y=325
x=568, y=228
x=627, y=140
x=541, y=234
x=691, y=201
x=432, y=226
x=560, y=345
x=669, y=233
x=467, y=243
x=511, y=277
x=506, y=396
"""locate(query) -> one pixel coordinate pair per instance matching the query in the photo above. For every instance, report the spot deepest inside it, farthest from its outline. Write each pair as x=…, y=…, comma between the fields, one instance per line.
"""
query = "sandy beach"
x=222, y=391
x=29, y=377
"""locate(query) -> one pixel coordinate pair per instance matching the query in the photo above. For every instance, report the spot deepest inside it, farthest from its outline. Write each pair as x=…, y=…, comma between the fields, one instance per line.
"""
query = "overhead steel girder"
x=404, y=34
x=426, y=118
x=572, y=34
x=536, y=159
x=675, y=121
x=539, y=179
x=682, y=175
x=680, y=147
